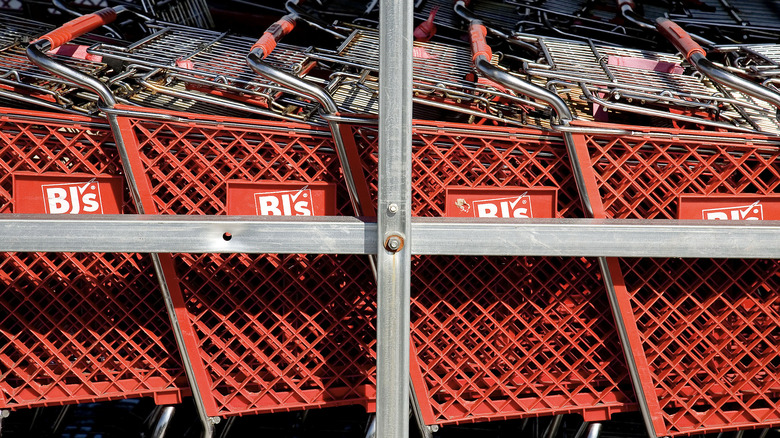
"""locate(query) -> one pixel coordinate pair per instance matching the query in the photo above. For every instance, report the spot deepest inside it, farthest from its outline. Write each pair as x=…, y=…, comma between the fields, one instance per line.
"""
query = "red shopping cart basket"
x=273, y=332
x=505, y=337
x=700, y=359
x=75, y=327
x=703, y=333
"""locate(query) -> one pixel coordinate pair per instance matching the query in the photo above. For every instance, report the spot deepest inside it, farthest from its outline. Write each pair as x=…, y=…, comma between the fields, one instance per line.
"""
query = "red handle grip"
x=274, y=34
x=680, y=38
x=479, y=46
x=79, y=26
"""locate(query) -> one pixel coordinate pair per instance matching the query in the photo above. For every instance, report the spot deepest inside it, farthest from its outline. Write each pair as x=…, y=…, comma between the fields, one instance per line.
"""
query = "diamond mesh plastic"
x=708, y=328
x=76, y=327
x=507, y=337
x=274, y=332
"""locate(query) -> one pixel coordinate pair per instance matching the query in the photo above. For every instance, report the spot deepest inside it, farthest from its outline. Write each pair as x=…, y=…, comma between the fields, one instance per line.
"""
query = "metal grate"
x=609, y=76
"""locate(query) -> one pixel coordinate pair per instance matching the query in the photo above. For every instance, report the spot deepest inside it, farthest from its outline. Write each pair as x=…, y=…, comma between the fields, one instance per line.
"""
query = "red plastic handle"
x=629, y=3
x=479, y=46
x=274, y=34
x=79, y=26
x=680, y=38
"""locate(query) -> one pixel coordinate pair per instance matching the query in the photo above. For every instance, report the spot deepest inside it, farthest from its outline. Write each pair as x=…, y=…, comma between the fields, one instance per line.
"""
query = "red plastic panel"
x=507, y=337
x=75, y=327
x=708, y=328
x=274, y=332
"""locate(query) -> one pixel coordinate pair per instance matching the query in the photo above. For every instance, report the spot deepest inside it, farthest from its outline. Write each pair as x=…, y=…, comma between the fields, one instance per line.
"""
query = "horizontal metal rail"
x=430, y=236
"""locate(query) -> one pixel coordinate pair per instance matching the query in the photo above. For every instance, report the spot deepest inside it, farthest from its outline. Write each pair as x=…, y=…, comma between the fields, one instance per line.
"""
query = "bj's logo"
x=505, y=202
x=519, y=207
x=73, y=198
x=729, y=207
x=271, y=198
x=752, y=212
x=284, y=203
x=67, y=194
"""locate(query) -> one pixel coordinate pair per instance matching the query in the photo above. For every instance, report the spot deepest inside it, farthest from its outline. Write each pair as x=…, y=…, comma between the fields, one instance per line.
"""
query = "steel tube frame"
x=394, y=218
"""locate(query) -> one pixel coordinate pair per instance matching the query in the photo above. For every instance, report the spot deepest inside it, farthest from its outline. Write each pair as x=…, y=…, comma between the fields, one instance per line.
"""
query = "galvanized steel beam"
x=429, y=236
x=394, y=217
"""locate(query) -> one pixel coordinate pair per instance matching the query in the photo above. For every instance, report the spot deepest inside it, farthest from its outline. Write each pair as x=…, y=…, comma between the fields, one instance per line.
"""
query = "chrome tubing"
x=716, y=74
x=256, y=63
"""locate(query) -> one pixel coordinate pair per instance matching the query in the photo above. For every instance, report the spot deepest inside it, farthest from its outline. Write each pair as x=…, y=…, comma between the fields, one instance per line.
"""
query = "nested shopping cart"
x=493, y=338
x=75, y=327
x=257, y=333
x=506, y=337
x=703, y=333
x=612, y=84
x=193, y=13
x=699, y=335
x=203, y=71
x=567, y=19
x=752, y=19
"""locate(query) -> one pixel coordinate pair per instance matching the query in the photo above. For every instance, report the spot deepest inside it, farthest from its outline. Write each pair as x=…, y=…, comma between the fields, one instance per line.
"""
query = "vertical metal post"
x=394, y=217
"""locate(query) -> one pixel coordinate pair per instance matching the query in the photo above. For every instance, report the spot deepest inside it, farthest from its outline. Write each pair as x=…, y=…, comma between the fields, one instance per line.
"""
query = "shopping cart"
x=599, y=82
x=75, y=327
x=257, y=333
x=187, y=12
x=740, y=21
x=757, y=62
x=567, y=19
x=702, y=332
x=194, y=13
x=698, y=335
x=494, y=338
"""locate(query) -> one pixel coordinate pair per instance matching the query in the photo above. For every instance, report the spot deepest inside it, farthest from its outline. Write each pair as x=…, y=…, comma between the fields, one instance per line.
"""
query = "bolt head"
x=394, y=243
x=392, y=208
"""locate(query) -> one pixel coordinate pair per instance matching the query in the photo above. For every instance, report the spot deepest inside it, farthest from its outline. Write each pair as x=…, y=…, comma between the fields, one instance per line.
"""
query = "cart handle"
x=680, y=38
x=479, y=45
x=698, y=57
x=79, y=26
x=275, y=32
x=481, y=56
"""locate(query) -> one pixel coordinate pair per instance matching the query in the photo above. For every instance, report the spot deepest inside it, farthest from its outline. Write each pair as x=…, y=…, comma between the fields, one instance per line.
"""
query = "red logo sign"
x=504, y=202
x=281, y=199
x=720, y=207
x=67, y=194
